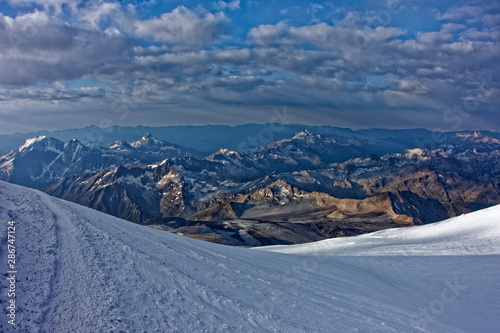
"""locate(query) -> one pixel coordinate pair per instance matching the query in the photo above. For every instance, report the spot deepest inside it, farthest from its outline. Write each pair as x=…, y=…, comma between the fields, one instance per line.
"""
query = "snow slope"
x=472, y=234
x=83, y=271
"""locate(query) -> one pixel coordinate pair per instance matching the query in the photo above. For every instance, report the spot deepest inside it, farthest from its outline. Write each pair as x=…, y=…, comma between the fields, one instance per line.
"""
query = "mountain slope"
x=43, y=160
x=230, y=198
x=81, y=270
x=474, y=234
x=305, y=151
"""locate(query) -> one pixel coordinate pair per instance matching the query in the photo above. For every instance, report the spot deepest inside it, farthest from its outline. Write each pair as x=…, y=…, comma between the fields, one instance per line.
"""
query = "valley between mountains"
x=303, y=188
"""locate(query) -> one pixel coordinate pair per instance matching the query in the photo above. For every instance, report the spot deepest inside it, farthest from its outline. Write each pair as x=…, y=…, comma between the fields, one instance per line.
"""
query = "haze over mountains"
x=210, y=138
x=305, y=187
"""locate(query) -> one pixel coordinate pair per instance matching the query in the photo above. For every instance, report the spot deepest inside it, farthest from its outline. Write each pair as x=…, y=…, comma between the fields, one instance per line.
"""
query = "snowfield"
x=79, y=270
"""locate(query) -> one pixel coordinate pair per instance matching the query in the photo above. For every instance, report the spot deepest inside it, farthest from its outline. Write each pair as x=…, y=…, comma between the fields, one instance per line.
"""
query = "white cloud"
x=267, y=34
x=230, y=5
x=93, y=14
x=51, y=6
x=38, y=48
x=322, y=65
x=452, y=27
x=460, y=13
x=183, y=27
x=492, y=20
x=315, y=8
x=481, y=35
x=322, y=35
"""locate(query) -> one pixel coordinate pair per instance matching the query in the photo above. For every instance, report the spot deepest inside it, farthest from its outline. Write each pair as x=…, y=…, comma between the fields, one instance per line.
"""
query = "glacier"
x=79, y=270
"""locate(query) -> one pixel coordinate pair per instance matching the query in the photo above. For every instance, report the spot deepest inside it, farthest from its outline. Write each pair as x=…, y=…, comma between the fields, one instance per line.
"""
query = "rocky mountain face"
x=231, y=197
x=304, y=188
x=306, y=151
x=43, y=160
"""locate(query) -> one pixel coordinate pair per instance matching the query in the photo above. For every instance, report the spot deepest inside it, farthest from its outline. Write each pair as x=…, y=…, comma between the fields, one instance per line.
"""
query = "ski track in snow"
x=83, y=271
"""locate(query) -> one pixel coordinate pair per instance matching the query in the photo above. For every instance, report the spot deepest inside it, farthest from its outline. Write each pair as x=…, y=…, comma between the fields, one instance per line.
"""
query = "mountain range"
x=44, y=160
x=210, y=138
x=303, y=188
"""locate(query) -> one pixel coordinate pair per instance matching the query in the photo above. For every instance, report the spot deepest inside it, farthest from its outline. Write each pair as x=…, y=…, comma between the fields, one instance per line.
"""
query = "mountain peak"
x=73, y=142
x=223, y=155
x=305, y=134
x=225, y=151
x=49, y=142
x=146, y=141
x=32, y=141
x=477, y=137
x=149, y=137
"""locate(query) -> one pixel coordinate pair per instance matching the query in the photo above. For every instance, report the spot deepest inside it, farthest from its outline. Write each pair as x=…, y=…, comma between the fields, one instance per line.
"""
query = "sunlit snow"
x=83, y=271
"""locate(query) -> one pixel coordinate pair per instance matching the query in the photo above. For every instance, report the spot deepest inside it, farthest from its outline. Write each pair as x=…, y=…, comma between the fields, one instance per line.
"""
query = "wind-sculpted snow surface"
x=79, y=270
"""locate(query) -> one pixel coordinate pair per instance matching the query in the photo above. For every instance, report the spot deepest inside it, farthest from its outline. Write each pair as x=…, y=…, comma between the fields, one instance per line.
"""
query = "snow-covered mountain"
x=291, y=190
x=306, y=150
x=44, y=160
x=210, y=138
x=233, y=198
x=79, y=270
x=149, y=149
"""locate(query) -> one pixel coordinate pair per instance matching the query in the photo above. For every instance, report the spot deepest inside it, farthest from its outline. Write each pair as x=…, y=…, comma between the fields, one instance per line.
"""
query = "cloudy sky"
x=357, y=64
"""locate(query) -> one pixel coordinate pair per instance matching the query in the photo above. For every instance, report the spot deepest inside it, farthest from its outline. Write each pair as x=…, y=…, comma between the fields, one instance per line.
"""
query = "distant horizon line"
x=244, y=124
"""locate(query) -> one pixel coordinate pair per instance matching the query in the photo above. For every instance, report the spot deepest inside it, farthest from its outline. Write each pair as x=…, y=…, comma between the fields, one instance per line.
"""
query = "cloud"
x=93, y=14
x=460, y=13
x=183, y=27
x=322, y=35
x=480, y=11
x=473, y=34
x=230, y=5
x=50, y=6
x=39, y=48
x=59, y=93
x=315, y=8
x=491, y=20
x=267, y=34
x=349, y=51
x=177, y=63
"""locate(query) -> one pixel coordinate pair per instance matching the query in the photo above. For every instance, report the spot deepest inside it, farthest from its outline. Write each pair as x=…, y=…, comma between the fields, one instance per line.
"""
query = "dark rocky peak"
x=73, y=145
